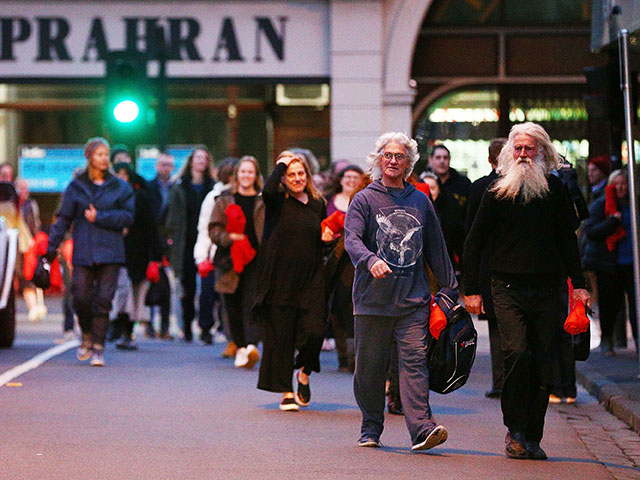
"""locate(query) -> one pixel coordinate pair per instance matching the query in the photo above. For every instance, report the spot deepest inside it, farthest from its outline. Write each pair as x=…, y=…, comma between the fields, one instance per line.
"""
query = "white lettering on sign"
x=205, y=40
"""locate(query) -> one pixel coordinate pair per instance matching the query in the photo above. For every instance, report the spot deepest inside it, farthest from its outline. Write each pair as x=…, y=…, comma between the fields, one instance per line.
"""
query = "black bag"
x=41, y=275
x=581, y=345
x=582, y=342
x=159, y=291
x=451, y=357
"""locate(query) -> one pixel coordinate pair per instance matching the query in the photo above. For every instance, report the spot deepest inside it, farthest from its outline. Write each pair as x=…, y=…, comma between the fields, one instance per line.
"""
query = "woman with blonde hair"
x=290, y=300
x=238, y=287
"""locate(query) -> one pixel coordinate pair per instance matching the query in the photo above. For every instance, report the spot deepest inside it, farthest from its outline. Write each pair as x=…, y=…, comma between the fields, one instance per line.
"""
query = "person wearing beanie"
x=98, y=206
x=598, y=171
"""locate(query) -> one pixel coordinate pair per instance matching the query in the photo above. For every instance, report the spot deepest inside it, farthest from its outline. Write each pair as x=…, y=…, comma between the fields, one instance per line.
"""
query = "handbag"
x=159, y=291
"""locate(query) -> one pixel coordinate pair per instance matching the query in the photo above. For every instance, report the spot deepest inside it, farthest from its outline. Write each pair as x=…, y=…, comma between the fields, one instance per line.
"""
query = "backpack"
x=451, y=357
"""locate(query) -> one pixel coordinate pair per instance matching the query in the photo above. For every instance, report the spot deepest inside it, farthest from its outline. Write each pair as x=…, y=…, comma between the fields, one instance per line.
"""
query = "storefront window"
x=467, y=120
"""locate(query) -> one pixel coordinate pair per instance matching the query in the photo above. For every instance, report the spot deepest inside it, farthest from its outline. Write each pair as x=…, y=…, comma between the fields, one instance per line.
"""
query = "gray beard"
x=528, y=179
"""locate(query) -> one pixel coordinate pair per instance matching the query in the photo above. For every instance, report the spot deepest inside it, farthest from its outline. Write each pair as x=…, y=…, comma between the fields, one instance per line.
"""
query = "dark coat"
x=596, y=229
x=142, y=241
x=102, y=241
x=228, y=280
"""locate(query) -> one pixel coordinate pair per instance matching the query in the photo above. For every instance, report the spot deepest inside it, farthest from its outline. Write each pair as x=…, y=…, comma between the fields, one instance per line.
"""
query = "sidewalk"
x=614, y=382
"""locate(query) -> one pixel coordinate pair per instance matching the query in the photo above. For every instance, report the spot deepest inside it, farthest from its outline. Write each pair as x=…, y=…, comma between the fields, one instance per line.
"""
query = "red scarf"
x=611, y=208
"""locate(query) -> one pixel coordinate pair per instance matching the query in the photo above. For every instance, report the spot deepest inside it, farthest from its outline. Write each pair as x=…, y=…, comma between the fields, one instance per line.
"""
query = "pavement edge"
x=610, y=395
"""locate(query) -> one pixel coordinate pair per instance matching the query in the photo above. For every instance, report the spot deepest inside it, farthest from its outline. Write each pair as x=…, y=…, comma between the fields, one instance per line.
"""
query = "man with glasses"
x=391, y=229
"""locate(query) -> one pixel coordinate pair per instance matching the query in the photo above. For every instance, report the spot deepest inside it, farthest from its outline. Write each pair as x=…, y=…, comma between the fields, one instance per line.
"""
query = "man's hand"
x=473, y=304
x=90, y=213
x=582, y=294
x=380, y=269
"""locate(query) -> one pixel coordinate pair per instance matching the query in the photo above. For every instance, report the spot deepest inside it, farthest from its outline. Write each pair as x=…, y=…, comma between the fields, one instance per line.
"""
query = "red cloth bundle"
x=153, y=272
x=334, y=222
x=611, y=208
x=577, y=321
x=39, y=249
x=241, y=250
x=205, y=268
x=437, y=320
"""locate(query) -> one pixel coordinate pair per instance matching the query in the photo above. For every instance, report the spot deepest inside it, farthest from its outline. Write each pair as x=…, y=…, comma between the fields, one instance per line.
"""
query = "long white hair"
x=528, y=179
x=374, y=158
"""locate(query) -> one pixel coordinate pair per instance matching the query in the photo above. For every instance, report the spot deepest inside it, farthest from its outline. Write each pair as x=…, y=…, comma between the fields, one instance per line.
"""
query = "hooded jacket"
x=102, y=241
x=399, y=226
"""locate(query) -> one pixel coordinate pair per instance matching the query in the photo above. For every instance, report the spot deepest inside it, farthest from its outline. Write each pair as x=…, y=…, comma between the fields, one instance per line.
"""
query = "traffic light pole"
x=625, y=85
x=162, y=100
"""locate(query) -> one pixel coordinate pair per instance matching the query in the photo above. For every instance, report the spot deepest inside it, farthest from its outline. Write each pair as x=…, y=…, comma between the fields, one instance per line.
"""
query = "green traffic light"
x=126, y=111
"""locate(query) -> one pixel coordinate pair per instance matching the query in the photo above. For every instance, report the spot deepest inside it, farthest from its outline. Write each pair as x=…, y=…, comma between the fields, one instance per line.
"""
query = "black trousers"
x=92, y=289
x=243, y=329
x=528, y=311
x=611, y=290
x=282, y=332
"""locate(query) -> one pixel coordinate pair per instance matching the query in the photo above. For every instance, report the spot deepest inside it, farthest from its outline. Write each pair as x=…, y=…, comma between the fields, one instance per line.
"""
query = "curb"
x=610, y=395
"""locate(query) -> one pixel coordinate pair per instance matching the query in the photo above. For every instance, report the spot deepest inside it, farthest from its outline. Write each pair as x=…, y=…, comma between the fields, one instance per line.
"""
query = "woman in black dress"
x=290, y=299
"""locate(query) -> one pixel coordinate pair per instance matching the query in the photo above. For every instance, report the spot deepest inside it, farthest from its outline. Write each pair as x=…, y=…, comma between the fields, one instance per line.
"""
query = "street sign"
x=49, y=168
x=146, y=156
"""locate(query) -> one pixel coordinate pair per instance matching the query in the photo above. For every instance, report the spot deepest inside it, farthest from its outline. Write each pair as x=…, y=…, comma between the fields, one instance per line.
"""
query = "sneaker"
x=127, y=344
x=369, y=442
x=515, y=445
x=431, y=439
x=328, y=345
x=570, y=400
x=219, y=337
x=149, y=332
x=253, y=356
x=84, y=350
x=493, y=393
x=206, y=338
x=37, y=313
x=535, y=451
x=303, y=395
x=66, y=337
x=230, y=350
x=554, y=399
x=166, y=336
x=288, y=405
x=97, y=358
x=242, y=358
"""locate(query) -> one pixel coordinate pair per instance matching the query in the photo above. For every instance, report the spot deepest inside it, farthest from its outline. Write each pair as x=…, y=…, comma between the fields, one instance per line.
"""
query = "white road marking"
x=36, y=361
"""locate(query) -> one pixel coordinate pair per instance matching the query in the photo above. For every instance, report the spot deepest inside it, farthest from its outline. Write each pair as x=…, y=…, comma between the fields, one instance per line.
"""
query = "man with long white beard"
x=526, y=215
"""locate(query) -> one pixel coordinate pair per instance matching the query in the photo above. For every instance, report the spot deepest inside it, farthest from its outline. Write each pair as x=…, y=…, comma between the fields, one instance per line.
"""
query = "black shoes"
x=431, y=438
x=394, y=404
x=303, y=395
x=288, y=405
x=518, y=447
x=127, y=343
x=493, y=393
x=206, y=338
x=535, y=451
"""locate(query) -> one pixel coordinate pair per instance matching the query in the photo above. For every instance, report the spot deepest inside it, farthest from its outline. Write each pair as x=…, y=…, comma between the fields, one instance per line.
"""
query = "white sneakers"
x=246, y=357
x=242, y=357
x=37, y=313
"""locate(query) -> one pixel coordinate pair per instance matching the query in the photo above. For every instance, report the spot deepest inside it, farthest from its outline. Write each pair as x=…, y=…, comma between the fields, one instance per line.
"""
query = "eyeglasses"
x=399, y=156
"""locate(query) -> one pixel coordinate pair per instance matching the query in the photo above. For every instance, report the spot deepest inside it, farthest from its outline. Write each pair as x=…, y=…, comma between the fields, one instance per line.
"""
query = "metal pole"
x=625, y=85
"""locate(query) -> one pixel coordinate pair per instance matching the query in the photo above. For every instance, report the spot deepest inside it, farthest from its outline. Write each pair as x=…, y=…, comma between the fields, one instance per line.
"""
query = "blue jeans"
x=373, y=336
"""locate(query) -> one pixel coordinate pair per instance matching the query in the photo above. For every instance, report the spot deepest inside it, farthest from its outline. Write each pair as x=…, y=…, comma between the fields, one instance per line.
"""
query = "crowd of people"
x=354, y=255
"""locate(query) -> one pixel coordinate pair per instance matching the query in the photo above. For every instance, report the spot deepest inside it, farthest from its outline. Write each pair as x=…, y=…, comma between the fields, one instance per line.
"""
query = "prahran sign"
x=203, y=39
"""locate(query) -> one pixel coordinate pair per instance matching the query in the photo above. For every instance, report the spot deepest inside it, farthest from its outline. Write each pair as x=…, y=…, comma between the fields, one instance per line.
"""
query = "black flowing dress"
x=291, y=279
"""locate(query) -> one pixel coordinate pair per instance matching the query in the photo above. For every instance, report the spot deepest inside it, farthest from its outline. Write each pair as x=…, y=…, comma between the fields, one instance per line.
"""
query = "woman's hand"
x=90, y=213
x=473, y=304
x=286, y=160
x=327, y=235
x=236, y=237
x=380, y=269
